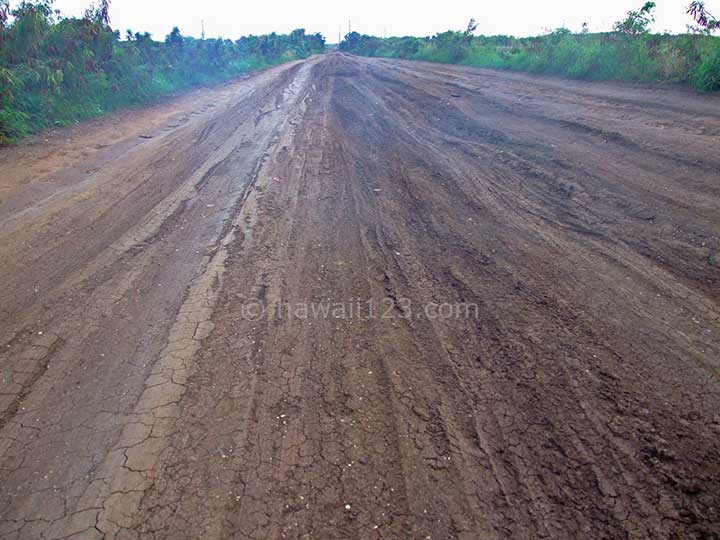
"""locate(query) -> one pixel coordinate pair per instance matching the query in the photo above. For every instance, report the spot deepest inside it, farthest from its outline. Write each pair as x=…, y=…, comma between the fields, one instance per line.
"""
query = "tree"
x=99, y=14
x=637, y=22
x=55, y=70
x=4, y=13
x=104, y=12
x=471, y=27
x=4, y=18
x=360, y=44
x=31, y=23
x=174, y=38
x=702, y=17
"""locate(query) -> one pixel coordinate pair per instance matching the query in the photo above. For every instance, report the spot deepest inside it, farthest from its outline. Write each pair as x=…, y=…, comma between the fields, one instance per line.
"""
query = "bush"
x=632, y=55
x=706, y=75
x=55, y=72
x=13, y=125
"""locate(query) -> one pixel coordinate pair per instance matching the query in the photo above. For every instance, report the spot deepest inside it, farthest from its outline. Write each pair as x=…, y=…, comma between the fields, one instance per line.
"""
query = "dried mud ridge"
x=139, y=401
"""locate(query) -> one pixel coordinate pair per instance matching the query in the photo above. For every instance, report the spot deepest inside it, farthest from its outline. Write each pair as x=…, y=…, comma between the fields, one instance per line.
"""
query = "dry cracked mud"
x=351, y=298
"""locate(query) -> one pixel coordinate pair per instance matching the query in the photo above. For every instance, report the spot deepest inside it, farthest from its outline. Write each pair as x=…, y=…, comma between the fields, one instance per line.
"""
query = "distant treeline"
x=55, y=70
x=628, y=54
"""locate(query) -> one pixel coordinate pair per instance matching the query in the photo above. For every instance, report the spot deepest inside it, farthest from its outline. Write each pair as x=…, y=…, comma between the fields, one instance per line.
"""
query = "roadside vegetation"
x=56, y=70
x=628, y=53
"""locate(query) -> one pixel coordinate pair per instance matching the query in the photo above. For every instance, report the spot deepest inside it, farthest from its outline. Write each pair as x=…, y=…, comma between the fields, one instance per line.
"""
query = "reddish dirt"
x=570, y=389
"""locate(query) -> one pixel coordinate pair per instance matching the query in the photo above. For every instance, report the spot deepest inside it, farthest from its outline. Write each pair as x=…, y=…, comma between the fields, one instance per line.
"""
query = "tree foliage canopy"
x=631, y=52
x=637, y=22
x=703, y=17
x=56, y=70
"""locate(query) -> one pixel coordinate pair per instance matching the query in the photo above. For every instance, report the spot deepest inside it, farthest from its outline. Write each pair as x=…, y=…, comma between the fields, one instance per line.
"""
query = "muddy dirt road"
x=360, y=299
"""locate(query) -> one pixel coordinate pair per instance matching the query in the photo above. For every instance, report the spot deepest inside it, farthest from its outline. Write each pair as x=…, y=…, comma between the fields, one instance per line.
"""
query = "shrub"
x=705, y=76
x=630, y=56
x=55, y=72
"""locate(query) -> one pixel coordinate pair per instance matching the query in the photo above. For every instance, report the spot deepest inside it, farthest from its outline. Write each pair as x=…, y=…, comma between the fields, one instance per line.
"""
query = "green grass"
x=692, y=60
x=705, y=76
x=57, y=72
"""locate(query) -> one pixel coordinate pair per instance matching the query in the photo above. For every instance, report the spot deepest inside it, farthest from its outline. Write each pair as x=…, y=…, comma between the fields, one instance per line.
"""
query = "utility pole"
x=349, y=26
x=202, y=32
x=339, y=33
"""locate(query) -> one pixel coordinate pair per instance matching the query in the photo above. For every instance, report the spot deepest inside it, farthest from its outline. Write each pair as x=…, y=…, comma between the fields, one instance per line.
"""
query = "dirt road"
x=354, y=298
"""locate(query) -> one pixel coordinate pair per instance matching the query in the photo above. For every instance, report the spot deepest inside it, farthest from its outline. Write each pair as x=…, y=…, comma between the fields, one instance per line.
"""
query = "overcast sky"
x=232, y=19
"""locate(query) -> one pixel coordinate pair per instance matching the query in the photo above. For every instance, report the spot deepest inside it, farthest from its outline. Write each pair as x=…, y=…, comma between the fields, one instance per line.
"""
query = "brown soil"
x=575, y=394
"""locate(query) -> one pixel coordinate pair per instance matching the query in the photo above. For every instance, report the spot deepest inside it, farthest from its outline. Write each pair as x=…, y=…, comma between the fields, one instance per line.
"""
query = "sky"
x=231, y=19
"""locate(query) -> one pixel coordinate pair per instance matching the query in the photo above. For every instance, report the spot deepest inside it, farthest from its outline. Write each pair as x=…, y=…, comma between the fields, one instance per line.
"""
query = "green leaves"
x=703, y=17
x=637, y=22
x=55, y=72
x=689, y=59
x=706, y=75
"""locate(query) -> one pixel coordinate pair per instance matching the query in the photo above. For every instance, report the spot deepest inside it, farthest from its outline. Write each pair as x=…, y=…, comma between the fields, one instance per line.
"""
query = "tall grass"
x=58, y=71
x=692, y=60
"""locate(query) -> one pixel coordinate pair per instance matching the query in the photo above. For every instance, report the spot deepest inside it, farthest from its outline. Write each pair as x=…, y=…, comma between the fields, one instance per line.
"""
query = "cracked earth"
x=578, y=398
